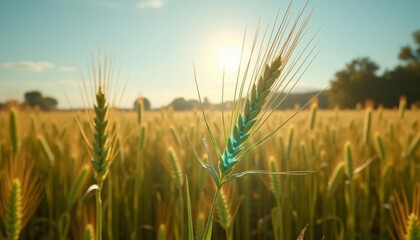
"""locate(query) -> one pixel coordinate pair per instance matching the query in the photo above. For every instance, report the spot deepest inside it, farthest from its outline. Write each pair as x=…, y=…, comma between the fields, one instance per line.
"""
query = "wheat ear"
x=101, y=150
x=89, y=232
x=247, y=120
x=77, y=185
x=14, y=131
x=336, y=178
x=274, y=180
x=175, y=167
x=13, y=221
x=413, y=228
x=224, y=210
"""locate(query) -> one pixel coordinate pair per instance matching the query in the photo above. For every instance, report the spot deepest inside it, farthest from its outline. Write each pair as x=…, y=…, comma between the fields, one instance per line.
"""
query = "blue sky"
x=44, y=44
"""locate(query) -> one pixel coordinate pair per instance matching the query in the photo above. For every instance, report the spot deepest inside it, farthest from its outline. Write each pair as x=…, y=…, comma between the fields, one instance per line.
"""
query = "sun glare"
x=229, y=58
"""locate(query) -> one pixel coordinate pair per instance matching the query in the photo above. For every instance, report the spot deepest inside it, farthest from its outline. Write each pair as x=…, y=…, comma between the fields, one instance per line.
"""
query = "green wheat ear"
x=335, y=178
x=101, y=150
x=349, y=160
x=413, y=228
x=200, y=226
x=224, y=210
x=89, y=232
x=247, y=120
x=274, y=180
x=175, y=167
x=13, y=222
x=14, y=131
x=162, y=232
x=77, y=185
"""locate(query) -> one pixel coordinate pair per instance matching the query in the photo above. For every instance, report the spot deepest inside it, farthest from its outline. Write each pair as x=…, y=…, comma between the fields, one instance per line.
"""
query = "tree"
x=146, y=103
x=35, y=99
x=403, y=80
x=358, y=81
x=48, y=104
x=180, y=104
x=408, y=54
x=354, y=83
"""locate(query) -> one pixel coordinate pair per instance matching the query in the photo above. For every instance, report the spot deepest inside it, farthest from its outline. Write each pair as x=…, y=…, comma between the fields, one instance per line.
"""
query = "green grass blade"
x=189, y=211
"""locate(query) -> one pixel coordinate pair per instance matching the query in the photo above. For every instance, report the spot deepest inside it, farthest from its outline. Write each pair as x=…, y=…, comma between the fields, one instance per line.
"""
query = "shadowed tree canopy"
x=404, y=80
x=354, y=83
x=48, y=104
x=359, y=81
x=409, y=54
x=180, y=104
x=146, y=103
x=35, y=99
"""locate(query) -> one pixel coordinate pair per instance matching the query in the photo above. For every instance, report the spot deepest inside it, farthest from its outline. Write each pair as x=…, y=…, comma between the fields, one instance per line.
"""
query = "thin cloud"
x=150, y=4
x=67, y=69
x=67, y=83
x=28, y=66
x=107, y=4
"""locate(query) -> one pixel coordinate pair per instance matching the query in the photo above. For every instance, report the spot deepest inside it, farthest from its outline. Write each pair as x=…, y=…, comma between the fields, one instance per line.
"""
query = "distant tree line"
x=359, y=81
x=279, y=101
x=33, y=99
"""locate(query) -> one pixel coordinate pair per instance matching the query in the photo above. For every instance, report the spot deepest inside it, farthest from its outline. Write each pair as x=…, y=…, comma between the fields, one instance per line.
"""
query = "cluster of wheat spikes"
x=277, y=67
x=361, y=157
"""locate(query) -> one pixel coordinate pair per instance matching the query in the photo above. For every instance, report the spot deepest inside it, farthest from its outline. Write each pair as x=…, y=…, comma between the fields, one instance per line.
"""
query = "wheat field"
x=359, y=176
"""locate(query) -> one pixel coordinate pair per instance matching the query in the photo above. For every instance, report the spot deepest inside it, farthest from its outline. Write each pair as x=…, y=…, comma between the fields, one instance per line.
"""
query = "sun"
x=229, y=58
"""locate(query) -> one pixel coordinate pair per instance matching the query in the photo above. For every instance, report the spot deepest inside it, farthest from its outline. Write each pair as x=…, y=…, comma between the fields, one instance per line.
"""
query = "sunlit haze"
x=47, y=45
x=229, y=58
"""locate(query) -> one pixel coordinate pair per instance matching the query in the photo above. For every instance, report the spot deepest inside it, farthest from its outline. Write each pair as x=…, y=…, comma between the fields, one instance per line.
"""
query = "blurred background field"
x=145, y=190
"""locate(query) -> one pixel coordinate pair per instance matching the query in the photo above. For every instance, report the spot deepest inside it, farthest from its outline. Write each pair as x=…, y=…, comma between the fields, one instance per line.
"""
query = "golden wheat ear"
x=13, y=220
x=406, y=221
x=21, y=188
x=89, y=232
x=14, y=131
